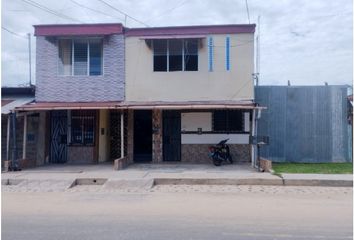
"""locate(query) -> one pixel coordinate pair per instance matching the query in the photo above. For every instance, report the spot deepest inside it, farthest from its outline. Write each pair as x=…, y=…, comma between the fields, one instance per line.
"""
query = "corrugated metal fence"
x=304, y=123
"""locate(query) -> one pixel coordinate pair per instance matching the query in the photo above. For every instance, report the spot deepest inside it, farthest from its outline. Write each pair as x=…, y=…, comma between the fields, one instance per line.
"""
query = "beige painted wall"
x=143, y=84
x=103, y=147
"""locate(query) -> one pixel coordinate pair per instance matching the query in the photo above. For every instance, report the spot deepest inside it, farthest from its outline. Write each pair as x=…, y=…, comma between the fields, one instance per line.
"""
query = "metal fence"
x=305, y=123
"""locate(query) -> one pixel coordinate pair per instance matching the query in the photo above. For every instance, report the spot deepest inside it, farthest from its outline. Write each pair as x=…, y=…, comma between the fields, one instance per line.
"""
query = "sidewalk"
x=62, y=177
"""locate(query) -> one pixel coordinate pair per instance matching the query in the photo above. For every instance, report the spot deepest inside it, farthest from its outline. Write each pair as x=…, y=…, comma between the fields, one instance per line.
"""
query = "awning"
x=173, y=37
x=67, y=105
x=140, y=105
x=10, y=104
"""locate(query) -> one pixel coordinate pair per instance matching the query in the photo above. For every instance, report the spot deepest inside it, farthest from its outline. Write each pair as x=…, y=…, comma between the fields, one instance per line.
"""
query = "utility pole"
x=258, y=61
x=29, y=59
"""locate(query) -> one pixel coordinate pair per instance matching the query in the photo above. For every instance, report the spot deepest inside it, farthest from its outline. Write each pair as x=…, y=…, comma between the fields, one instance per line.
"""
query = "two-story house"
x=147, y=94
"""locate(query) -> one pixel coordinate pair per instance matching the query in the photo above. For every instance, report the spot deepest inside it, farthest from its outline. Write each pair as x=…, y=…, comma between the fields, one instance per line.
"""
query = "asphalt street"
x=180, y=212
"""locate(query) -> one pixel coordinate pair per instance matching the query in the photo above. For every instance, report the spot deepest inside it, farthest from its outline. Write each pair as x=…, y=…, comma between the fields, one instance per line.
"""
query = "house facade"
x=144, y=94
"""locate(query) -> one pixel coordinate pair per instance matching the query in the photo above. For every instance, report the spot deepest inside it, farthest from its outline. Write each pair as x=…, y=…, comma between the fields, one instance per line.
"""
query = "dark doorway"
x=142, y=136
x=58, y=142
x=171, y=135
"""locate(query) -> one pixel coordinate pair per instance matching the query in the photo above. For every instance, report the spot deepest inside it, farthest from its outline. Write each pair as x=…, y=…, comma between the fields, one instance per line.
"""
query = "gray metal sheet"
x=304, y=123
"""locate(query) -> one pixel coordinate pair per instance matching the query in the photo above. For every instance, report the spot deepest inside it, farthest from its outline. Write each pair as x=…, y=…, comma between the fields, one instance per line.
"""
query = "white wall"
x=143, y=84
x=194, y=120
x=211, y=138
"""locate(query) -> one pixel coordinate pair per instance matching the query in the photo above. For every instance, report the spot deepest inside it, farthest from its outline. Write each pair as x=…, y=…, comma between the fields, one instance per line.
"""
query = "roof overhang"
x=11, y=104
x=173, y=37
x=139, y=105
x=78, y=29
x=191, y=30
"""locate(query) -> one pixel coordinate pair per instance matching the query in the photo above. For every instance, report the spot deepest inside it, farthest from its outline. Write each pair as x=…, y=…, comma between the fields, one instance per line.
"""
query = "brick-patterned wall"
x=79, y=154
x=198, y=153
x=157, y=136
x=50, y=87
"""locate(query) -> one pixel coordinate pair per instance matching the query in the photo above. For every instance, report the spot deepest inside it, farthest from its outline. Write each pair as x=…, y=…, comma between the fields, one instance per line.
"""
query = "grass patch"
x=325, y=168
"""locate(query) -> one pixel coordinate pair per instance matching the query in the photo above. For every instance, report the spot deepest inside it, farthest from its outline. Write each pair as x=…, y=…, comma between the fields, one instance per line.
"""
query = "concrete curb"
x=319, y=183
x=216, y=181
x=149, y=183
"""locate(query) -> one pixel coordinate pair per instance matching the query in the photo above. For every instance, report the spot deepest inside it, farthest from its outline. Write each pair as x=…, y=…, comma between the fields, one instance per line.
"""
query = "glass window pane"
x=160, y=55
x=160, y=63
x=95, y=58
x=65, y=46
x=191, y=55
x=80, y=58
x=175, y=55
x=160, y=47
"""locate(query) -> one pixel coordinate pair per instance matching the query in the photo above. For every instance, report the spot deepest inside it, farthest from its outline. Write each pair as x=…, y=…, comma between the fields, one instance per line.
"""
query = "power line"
x=44, y=8
x=125, y=14
x=16, y=34
x=95, y=10
x=169, y=10
x=248, y=13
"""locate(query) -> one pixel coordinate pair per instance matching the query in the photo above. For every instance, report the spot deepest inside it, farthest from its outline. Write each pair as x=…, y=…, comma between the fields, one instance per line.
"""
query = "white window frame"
x=88, y=56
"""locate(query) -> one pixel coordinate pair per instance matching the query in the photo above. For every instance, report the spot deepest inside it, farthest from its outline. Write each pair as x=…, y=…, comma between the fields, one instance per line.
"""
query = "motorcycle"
x=220, y=153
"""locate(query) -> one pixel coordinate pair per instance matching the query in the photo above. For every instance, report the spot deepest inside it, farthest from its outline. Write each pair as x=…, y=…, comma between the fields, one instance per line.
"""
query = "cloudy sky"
x=306, y=42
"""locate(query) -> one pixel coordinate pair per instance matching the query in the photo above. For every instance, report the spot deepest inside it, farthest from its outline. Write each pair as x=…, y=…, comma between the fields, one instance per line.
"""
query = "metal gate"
x=58, y=142
x=171, y=135
x=115, y=134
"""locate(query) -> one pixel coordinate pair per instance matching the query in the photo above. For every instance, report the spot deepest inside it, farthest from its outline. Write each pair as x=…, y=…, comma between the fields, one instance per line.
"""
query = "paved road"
x=180, y=212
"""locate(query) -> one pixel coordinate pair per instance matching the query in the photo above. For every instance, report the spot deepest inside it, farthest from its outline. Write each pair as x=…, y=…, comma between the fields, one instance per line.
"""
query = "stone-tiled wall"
x=51, y=87
x=157, y=136
x=198, y=153
x=80, y=154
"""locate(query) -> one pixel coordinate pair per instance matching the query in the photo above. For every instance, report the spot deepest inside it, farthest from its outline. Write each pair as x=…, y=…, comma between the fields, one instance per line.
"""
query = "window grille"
x=228, y=121
x=83, y=127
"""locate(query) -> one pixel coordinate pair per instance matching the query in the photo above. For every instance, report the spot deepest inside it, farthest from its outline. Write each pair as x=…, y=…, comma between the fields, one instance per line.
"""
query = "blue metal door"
x=58, y=143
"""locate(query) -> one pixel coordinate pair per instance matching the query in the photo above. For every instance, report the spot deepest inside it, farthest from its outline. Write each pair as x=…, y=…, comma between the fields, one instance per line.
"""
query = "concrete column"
x=24, y=146
x=103, y=142
x=8, y=137
x=122, y=134
x=130, y=136
x=157, y=136
x=41, y=140
x=253, y=133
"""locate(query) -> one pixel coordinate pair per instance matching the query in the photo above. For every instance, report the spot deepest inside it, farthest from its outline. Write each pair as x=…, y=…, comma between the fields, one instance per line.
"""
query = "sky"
x=306, y=42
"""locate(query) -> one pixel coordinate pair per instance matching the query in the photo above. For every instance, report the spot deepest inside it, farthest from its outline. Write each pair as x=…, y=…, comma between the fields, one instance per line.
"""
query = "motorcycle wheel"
x=230, y=159
x=216, y=160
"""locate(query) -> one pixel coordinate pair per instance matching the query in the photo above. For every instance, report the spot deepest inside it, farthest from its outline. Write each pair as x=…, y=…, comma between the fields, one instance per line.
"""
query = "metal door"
x=172, y=135
x=58, y=143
